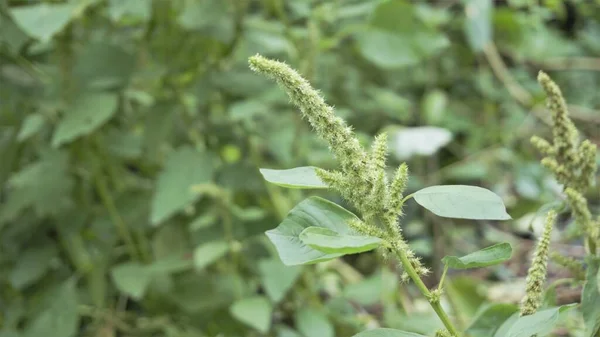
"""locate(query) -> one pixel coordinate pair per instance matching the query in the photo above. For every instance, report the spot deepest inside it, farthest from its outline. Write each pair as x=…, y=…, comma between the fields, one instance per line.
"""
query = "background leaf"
x=184, y=168
x=478, y=23
x=311, y=322
x=43, y=21
x=382, y=332
x=85, y=115
x=540, y=323
x=253, y=311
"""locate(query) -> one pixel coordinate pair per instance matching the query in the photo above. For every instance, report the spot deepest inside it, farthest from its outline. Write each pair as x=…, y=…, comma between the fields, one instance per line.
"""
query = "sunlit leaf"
x=463, y=202
x=489, y=256
x=299, y=177
x=313, y=211
x=422, y=141
x=329, y=241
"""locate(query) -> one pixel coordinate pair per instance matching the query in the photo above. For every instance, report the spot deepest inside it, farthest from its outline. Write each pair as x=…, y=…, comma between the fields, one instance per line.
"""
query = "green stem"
x=406, y=198
x=441, y=285
x=425, y=291
x=116, y=217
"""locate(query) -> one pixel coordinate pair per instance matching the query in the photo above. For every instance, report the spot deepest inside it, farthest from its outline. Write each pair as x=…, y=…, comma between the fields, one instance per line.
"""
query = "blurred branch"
x=572, y=63
x=525, y=98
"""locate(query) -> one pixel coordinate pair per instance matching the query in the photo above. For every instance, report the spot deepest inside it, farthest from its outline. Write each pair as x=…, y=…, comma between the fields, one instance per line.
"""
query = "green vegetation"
x=145, y=154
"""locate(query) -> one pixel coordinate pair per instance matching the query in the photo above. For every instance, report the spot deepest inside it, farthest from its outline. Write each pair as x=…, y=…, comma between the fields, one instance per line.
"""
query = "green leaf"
x=31, y=266
x=254, y=312
x=141, y=9
x=31, y=126
x=478, y=23
x=209, y=252
x=277, y=278
x=381, y=332
x=540, y=323
x=489, y=256
x=463, y=202
x=184, y=169
x=311, y=322
x=43, y=21
x=313, y=211
x=299, y=177
x=490, y=318
x=329, y=241
x=86, y=114
x=132, y=279
x=590, y=298
x=61, y=319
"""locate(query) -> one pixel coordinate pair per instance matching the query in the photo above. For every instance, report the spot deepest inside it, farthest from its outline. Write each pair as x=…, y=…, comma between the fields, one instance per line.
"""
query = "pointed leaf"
x=489, y=320
x=277, y=278
x=209, y=252
x=311, y=322
x=61, y=319
x=87, y=113
x=462, y=202
x=299, y=177
x=329, y=241
x=489, y=256
x=313, y=211
x=184, y=169
x=590, y=298
x=387, y=333
x=131, y=278
x=254, y=312
x=540, y=323
x=43, y=21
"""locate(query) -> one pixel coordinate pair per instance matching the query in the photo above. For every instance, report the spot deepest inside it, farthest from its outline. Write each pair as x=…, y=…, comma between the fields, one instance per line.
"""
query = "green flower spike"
x=536, y=276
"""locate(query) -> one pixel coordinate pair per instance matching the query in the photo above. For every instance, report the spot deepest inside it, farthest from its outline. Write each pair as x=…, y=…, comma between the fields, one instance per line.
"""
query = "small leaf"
x=590, y=298
x=299, y=177
x=184, y=168
x=31, y=266
x=478, y=23
x=328, y=241
x=463, y=202
x=209, y=252
x=540, y=323
x=381, y=332
x=61, y=319
x=131, y=278
x=313, y=211
x=489, y=320
x=254, y=311
x=43, y=21
x=87, y=113
x=277, y=278
x=31, y=125
x=311, y=322
x=489, y=256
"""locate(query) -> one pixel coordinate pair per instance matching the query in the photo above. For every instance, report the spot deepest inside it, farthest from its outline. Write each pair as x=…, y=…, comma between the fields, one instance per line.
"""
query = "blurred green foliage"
x=131, y=133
